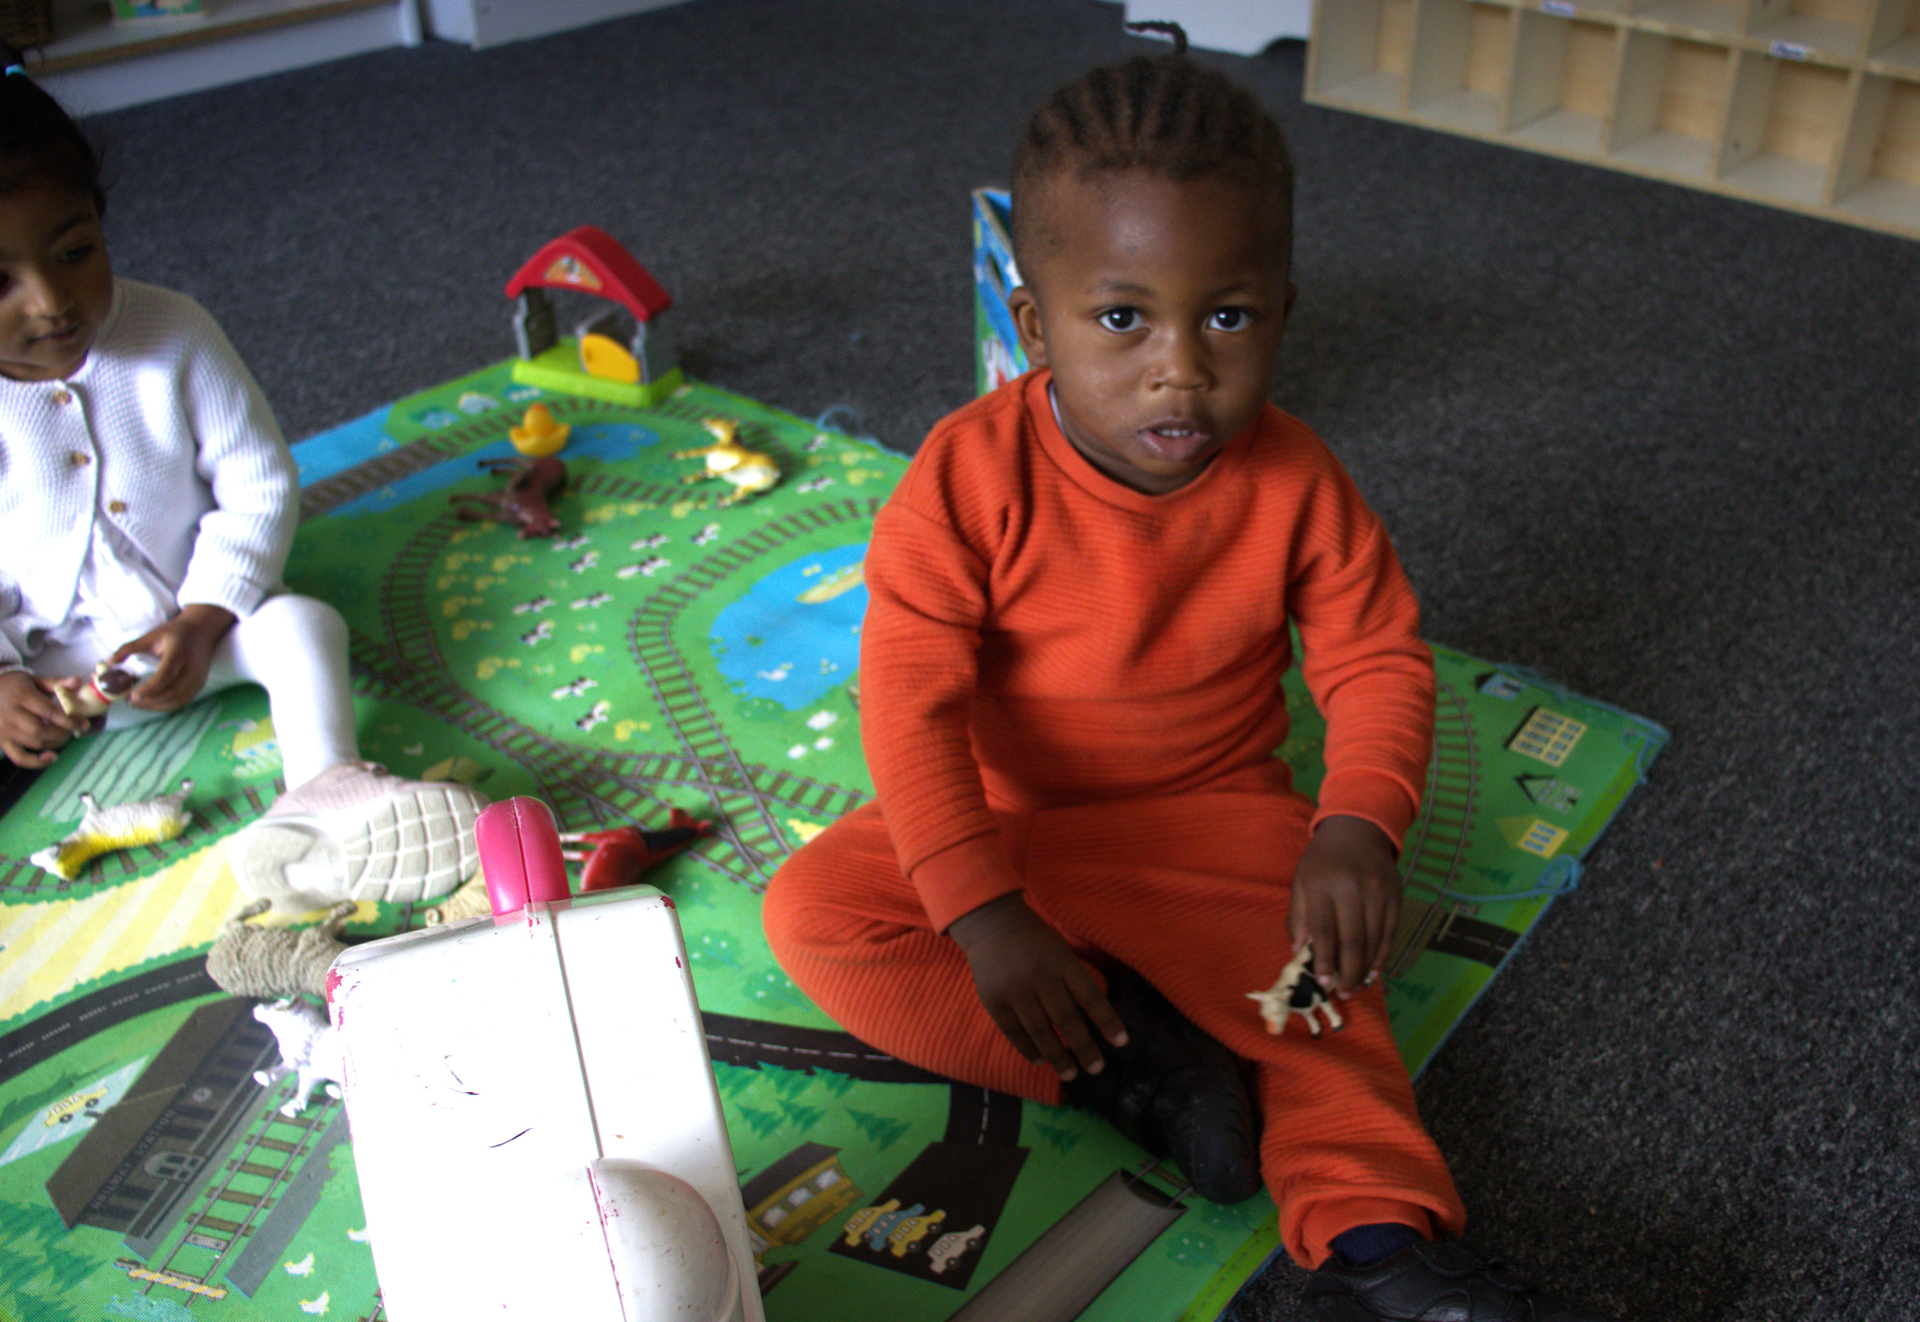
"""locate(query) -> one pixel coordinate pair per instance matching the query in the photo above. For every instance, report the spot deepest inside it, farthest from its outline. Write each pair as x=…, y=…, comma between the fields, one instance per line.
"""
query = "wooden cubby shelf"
x=1812, y=105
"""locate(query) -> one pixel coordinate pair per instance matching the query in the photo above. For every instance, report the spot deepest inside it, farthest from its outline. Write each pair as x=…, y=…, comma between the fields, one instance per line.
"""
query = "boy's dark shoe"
x=1432, y=1281
x=1176, y=1092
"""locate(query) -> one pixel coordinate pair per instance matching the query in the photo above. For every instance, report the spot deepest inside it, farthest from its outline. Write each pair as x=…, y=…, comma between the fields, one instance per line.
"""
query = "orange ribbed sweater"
x=1039, y=635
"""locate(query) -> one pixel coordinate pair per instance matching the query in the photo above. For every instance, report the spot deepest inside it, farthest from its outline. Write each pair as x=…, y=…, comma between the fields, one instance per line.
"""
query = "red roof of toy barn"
x=588, y=259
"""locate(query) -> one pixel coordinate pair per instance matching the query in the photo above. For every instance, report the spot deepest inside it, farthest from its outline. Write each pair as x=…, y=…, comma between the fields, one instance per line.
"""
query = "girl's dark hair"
x=1165, y=114
x=39, y=141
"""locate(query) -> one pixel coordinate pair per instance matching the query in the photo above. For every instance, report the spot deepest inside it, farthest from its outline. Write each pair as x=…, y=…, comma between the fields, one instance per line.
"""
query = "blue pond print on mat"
x=795, y=635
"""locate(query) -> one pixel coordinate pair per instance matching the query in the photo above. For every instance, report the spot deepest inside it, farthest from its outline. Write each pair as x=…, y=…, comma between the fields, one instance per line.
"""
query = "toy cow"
x=535, y=483
x=1297, y=992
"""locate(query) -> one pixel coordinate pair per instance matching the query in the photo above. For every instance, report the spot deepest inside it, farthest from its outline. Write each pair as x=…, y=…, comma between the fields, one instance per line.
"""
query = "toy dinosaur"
x=1297, y=992
x=102, y=830
x=534, y=483
x=618, y=857
x=272, y=963
x=749, y=471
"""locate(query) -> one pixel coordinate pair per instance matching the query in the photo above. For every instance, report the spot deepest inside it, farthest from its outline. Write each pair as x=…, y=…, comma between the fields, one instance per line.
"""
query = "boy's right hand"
x=32, y=724
x=1035, y=987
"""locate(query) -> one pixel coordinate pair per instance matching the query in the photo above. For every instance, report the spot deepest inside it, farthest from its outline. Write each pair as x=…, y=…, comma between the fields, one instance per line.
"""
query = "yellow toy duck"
x=538, y=434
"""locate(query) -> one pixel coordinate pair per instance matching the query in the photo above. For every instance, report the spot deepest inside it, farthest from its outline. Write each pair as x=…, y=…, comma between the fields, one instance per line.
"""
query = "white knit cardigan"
x=164, y=432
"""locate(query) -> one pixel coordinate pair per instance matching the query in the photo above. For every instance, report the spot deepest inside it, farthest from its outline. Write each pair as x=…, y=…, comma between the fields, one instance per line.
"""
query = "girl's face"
x=1159, y=307
x=56, y=284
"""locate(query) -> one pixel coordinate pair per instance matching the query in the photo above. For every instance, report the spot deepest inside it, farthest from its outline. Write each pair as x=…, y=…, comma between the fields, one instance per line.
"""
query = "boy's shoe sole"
x=1176, y=1092
x=1432, y=1281
x=358, y=833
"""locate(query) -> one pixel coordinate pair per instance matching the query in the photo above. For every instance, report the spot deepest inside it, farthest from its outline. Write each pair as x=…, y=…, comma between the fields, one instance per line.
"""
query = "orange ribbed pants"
x=1190, y=891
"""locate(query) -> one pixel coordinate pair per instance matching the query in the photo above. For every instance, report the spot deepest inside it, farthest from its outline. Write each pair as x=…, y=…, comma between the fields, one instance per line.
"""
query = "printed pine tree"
x=884, y=1130
x=802, y=1119
x=41, y=1273
x=763, y=1123
x=835, y=1083
x=1059, y=1137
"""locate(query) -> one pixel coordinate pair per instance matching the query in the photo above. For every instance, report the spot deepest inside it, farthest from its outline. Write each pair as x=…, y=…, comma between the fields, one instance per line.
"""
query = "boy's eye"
x=1120, y=319
x=79, y=253
x=1232, y=319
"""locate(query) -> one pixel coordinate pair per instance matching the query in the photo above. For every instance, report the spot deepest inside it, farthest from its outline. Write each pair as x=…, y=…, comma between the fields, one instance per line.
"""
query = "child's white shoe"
x=358, y=832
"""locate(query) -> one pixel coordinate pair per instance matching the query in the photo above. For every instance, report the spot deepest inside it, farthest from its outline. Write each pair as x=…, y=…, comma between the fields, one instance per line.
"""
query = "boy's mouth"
x=1173, y=441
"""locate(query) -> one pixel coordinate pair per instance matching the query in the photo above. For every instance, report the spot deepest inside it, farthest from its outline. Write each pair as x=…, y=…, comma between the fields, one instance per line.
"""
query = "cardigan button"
x=63, y=397
x=116, y=507
x=79, y=460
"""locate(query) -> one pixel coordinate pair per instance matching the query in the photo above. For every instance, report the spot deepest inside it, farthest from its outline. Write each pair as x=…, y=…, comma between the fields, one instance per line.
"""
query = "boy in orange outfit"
x=1082, y=855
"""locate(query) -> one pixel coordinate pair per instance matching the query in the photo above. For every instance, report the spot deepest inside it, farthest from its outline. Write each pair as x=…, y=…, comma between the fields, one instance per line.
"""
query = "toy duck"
x=538, y=434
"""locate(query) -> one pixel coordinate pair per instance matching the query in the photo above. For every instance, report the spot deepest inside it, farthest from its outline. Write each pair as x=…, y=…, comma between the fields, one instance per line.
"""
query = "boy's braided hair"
x=1166, y=115
x=39, y=142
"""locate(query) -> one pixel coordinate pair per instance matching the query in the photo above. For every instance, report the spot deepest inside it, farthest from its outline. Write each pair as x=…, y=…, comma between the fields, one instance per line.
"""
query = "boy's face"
x=56, y=285
x=1159, y=306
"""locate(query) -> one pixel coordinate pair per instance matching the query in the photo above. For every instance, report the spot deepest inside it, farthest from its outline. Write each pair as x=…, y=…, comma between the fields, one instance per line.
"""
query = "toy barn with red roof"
x=594, y=363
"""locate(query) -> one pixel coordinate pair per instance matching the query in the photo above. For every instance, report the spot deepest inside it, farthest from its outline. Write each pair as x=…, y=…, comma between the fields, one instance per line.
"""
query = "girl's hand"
x=1035, y=987
x=32, y=725
x=183, y=647
x=1346, y=896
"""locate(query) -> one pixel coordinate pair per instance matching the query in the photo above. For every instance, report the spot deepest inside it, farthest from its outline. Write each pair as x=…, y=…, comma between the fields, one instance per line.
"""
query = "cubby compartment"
x=1560, y=95
x=1360, y=54
x=1783, y=128
x=1894, y=41
x=1833, y=28
x=1707, y=18
x=1671, y=107
x=1808, y=104
x=1462, y=56
x=1877, y=181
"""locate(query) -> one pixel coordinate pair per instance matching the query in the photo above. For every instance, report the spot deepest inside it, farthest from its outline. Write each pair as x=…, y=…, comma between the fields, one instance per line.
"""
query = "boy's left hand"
x=1346, y=896
x=183, y=646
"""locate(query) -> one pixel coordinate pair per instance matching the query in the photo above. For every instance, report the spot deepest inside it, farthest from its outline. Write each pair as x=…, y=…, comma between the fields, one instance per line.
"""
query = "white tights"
x=296, y=649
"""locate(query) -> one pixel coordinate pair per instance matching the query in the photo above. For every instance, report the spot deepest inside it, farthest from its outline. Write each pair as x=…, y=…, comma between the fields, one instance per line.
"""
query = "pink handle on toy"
x=520, y=855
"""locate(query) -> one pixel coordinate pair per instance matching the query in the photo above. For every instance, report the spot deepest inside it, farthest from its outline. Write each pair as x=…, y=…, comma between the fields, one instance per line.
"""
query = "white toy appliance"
x=535, y=1122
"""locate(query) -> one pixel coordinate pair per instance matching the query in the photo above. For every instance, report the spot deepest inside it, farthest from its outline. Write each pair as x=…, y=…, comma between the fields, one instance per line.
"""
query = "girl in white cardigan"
x=149, y=502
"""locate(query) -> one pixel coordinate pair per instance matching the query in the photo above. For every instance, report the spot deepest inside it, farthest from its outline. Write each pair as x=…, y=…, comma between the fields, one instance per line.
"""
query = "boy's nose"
x=1183, y=364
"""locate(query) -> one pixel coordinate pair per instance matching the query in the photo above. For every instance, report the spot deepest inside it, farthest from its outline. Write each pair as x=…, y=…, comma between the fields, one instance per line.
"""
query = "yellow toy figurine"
x=102, y=830
x=749, y=471
x=538, y=435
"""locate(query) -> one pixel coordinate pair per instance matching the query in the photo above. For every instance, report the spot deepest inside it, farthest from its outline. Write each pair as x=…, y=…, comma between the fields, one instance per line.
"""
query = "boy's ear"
x=1026, y=321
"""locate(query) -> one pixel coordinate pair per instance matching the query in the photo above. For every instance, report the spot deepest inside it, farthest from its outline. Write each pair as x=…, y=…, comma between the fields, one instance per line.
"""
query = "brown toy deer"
x=533, y=484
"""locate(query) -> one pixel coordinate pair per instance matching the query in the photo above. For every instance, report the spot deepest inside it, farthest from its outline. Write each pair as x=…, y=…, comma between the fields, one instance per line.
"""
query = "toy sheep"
x=309, y=1049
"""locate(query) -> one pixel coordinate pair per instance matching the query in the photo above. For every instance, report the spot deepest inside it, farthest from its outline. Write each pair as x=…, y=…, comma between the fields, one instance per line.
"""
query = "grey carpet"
x=1658, y=445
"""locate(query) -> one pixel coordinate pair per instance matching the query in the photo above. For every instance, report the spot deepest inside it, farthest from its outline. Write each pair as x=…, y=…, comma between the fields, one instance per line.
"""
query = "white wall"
x=495, y=22
x=1245, y=27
